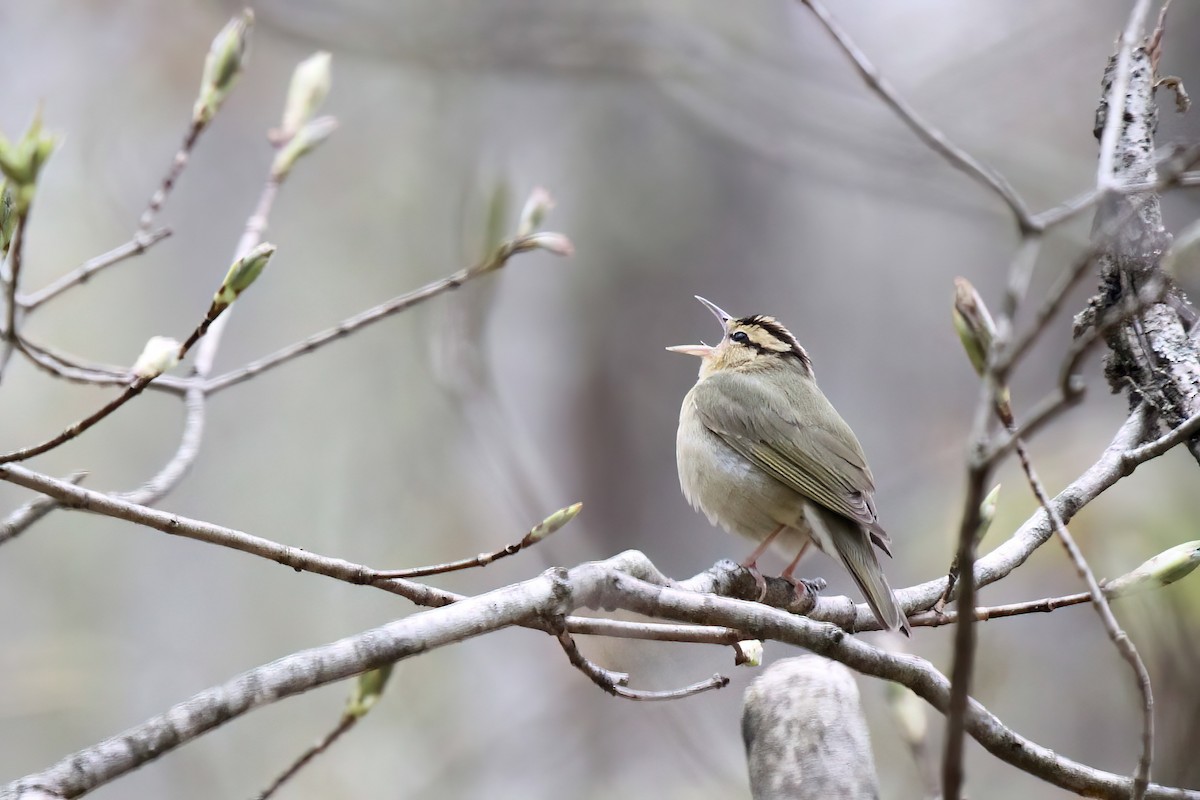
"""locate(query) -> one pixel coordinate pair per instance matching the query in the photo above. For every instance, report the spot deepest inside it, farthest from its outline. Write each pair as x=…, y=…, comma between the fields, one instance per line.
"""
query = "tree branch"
x=364, y=318
x=1116, y=635
x=1152, y=352
x=553, y=594
x=931, y=136
x=140, y=243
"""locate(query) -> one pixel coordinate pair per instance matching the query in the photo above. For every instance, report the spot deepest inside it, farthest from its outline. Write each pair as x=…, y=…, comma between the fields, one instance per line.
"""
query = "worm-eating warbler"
x=763, y=454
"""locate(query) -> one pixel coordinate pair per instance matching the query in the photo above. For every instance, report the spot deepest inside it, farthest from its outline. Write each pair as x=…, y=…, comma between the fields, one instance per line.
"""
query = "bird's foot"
x=759, y=580
x=803, y=586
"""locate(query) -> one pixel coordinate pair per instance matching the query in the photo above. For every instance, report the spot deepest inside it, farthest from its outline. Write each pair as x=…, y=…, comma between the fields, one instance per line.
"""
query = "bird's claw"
x=760, y=582
x=802, y=586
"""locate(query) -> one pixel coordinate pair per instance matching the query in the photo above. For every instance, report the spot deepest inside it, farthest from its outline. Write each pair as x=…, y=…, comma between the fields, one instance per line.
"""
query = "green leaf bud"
x=303, y=142
x=974, y=324
x=1164, y=568
x=242, y=273
x=551, y=524
x=226, y=56
x=368, y=688
x=309, y=88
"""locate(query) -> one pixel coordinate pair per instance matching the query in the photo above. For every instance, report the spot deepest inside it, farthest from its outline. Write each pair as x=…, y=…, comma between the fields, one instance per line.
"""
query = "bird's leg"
x=787, y=573
x=751, y=562
x=814, y=585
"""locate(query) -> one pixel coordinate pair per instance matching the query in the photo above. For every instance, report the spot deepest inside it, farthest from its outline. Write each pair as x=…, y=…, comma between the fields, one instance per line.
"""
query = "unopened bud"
x=222, y=66
x=159, y=355
x=551, y=242
x=309, y=87
x=368, y=688
x=987, y=513
x=551, y=524
x=8, y=218
x=534, y=212
x=242, y=273
x=749, y=653
x=21, y=161
x=303, y=142
x=973, y=323
x=1164, y=568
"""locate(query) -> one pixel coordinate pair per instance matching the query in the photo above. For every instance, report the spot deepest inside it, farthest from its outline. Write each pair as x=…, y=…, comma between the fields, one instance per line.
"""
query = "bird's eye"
x=740, y=337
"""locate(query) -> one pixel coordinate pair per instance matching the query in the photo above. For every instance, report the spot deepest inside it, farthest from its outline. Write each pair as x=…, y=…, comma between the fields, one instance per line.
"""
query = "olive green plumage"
x=764, y=454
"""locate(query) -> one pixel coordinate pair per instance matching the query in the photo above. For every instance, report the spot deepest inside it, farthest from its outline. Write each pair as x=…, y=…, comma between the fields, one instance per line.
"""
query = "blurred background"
x=727, y=150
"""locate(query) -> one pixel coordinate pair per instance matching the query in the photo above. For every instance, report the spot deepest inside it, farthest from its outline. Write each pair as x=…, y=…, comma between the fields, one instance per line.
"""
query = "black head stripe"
x=787, y=344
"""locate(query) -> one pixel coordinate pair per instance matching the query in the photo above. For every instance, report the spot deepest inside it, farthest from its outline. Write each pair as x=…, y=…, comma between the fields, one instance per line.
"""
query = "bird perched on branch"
x=763, y=454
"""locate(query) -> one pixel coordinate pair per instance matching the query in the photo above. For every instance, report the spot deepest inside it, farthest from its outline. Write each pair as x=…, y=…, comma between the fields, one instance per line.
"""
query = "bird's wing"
x=795, y=437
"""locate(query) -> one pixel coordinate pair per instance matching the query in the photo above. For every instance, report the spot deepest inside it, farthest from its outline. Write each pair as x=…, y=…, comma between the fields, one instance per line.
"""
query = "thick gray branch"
x=805, y=733
x=599, y=585
x=1151, y=355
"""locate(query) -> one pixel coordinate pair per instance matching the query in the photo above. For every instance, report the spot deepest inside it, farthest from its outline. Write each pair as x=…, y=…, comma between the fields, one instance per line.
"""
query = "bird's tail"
x=852, y=546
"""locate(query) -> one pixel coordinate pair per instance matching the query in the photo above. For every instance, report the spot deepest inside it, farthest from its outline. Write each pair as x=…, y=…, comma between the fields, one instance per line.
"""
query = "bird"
x=763, y=454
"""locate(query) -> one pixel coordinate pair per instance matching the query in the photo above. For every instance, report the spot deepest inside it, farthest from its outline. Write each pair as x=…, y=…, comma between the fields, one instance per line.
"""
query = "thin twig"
x=255, y=227
x=1179, y=434
x=162, y=482
x=934, y=619
x=1173, y=173
x=171, y=473
x=20, y=519
x=979, y=471
x=72, y=431
x=347, y=722
x=178, y=163
x=617, y=683
x=1049, y=307
x=538, y=533
x=11, y=282
x=77, y=497
x=1070, y=387
x=962, y=668
x=1046, y=411
x=364, y=318
x=1119, y=638
x=140, y=242
x=1057, y=294
x=12, y=277
x=481, y=560
x=655, y=631
x=1019, y=273
x=934, y=138
x=60, y=365
x=136, y=387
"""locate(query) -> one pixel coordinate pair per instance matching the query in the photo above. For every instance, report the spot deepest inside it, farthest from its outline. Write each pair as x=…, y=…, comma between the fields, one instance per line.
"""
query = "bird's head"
x=749, y=344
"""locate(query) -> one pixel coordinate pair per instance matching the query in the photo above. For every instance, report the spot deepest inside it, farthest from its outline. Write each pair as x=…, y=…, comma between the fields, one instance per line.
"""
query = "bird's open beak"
x=702, y=349
x=717, y=312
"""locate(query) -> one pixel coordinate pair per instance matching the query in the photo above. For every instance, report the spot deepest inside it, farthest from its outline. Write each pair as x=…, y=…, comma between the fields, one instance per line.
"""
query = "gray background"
x=727, y=150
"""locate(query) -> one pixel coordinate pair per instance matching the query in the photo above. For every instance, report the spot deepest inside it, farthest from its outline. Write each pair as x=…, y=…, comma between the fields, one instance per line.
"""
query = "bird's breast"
x=727, y=488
